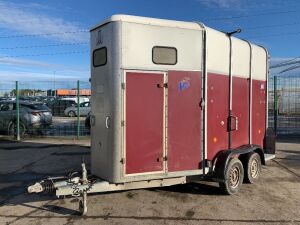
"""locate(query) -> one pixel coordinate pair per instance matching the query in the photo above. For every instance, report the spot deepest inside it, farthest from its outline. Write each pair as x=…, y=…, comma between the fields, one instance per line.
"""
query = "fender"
x=224, y=156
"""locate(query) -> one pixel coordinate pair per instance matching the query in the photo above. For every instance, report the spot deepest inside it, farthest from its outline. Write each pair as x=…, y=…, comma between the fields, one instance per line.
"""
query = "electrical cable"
x=290, y=68
x=276, y=35
x=42, y=34
x=270, y=26
x=252, y=15
x=284, y=63
x=210, y=19
x=44, y=46
x=44, y=54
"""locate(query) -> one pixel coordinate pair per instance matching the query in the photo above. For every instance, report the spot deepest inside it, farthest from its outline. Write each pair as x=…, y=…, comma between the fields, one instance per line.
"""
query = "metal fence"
x=284, y=105
x=31, y=109
x=48, y=108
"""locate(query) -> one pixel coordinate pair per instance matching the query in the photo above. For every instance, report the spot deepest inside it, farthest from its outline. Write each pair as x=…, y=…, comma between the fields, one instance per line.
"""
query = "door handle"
x=107, y=122
x=233, y=123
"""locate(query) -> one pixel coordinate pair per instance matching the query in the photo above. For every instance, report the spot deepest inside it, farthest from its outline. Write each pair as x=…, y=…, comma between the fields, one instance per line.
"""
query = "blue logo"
x=184, y=84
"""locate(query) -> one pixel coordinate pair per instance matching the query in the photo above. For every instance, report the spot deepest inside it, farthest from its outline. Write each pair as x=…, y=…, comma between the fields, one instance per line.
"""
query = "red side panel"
x=184, y=116
x=240, y=108
x=258, y=111
x=144, y=122
x=217, y=113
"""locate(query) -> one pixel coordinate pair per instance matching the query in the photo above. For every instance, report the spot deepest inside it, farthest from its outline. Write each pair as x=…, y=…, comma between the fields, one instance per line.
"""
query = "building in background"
x=68, y=92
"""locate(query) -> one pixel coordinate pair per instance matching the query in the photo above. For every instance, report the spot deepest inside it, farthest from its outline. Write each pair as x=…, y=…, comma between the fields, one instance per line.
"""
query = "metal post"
x=230, y=115
x=78, y=109
x=275, y=105
x=17, y=111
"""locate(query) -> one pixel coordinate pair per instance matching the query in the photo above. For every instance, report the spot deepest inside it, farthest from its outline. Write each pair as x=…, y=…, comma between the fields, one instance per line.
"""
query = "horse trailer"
x=172, y=102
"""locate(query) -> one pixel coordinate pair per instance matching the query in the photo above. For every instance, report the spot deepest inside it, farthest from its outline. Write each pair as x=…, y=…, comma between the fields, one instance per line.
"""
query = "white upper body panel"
x=150, y=21
x=139, y=35
x=217, y=52
x=259, y=63
x=138, y=41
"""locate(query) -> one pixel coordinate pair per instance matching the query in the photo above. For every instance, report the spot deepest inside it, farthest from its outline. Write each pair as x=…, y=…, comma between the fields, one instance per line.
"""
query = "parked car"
x=7, y=98
x=81, y=99
x=33, y=117
x=58, y=106
x=84, y=109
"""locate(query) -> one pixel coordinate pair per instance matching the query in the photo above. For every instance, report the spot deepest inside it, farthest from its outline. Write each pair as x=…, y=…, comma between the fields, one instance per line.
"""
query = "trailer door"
x=144, y=122
x=184, y=121
x=240, y=110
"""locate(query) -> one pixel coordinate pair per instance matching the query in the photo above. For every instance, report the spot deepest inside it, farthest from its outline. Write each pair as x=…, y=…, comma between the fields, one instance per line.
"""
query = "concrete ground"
x=275, y=199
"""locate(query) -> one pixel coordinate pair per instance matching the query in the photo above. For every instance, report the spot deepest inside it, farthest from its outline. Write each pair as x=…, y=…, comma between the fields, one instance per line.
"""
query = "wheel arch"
x=21, y=123
x=222, y=159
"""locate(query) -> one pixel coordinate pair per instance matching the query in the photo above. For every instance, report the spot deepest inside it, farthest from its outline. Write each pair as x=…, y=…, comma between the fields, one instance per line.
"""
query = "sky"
x=49, y=40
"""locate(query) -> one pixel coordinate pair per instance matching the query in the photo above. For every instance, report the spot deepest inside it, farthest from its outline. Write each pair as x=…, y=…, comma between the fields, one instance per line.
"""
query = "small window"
x=100, y=57
x=164, y=55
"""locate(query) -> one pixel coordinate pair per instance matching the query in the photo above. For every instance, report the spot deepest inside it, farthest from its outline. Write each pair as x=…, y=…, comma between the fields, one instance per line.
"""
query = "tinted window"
x=164, y=55
x=100, y=57
x=35, y=106
x=85, y=104
x=69, y=103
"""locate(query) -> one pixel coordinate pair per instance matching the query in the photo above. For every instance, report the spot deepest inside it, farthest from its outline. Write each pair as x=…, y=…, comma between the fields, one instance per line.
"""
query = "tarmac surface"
x=274, y=199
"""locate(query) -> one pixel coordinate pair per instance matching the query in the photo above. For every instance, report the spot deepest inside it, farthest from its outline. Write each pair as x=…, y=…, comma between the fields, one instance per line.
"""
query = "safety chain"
x=75, y=186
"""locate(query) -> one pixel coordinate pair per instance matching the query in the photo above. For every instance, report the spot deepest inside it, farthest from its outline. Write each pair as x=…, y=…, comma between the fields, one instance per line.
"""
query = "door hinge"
x=123, y=123
x=164, y=85
x=123, y=86
x=201, y=103
x=122, y=161
x=165, y=158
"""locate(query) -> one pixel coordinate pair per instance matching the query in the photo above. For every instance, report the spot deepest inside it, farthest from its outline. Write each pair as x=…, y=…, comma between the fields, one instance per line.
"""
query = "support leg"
x=83, y=204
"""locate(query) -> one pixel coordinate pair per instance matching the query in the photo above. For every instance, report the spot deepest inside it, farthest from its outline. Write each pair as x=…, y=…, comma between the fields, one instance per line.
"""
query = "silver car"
x=33, y=117
x=84, y=109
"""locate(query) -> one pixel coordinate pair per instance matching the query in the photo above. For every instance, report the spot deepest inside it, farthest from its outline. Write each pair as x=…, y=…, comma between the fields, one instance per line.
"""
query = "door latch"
x=233, y=123
x=201, y=103
x=160, y=159
x=164, y=85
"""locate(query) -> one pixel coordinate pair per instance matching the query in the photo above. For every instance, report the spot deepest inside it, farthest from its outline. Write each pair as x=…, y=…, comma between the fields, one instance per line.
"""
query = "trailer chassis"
x=79, y=185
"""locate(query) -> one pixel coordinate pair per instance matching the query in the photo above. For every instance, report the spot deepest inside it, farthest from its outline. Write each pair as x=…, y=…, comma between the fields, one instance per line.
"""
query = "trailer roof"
x=150, y=21
x=164, y=23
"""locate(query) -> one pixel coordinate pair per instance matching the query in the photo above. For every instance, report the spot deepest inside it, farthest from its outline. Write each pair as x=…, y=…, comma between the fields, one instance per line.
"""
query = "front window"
x=164, y=55
x=100, y=57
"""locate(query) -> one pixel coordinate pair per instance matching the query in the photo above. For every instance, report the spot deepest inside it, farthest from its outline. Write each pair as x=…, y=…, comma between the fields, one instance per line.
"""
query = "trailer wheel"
x=234, y=176
x=253, y=168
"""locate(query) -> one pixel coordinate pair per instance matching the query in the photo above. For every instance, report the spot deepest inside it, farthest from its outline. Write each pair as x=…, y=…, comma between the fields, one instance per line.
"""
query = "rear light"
x=35, y=113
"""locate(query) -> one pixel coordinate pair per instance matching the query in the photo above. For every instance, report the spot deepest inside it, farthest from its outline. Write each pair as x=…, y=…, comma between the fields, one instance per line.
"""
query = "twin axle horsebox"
x=172, y=102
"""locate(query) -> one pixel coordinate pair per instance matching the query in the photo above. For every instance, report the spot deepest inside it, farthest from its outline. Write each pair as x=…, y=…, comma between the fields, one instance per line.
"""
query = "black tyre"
x=234, y=176
x=71, y=114
x=12, y=129
x=252, y=168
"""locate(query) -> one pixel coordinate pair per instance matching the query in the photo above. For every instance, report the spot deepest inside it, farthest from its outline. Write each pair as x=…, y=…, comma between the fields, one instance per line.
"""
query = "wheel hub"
x=234, y=177
x=254, y=168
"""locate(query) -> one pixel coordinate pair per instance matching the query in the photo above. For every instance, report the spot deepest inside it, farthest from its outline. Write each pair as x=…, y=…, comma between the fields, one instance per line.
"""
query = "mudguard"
x=223, y=158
